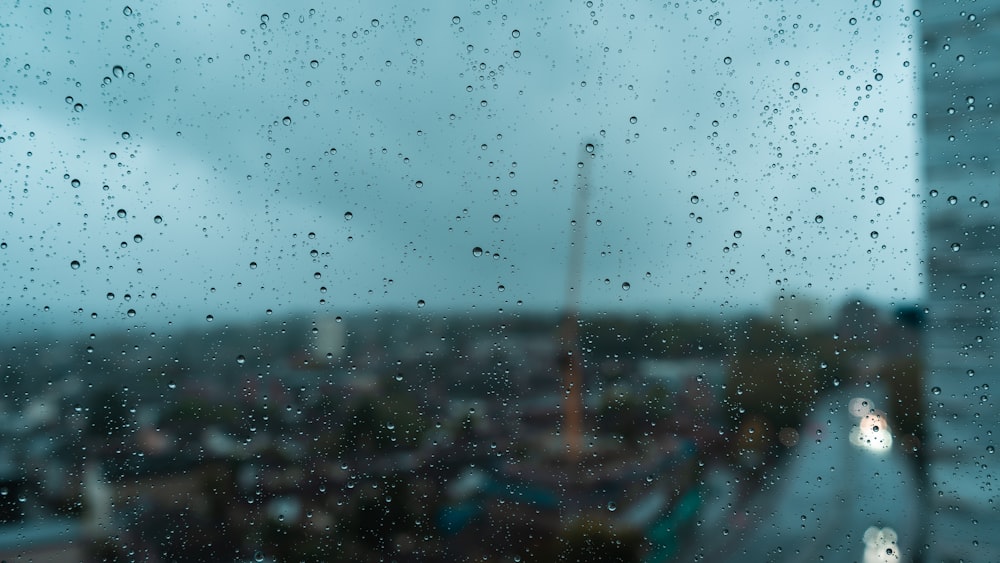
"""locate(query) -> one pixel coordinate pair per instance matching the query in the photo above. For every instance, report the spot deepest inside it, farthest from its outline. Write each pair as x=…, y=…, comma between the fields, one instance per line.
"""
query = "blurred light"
x=871, y=432
x=880, y=545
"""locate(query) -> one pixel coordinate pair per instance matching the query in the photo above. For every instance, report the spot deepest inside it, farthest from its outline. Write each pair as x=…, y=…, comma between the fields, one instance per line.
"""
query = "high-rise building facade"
x=960, y=80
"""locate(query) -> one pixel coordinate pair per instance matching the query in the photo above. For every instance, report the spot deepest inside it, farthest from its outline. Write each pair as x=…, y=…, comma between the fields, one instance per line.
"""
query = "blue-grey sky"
x=238, y=135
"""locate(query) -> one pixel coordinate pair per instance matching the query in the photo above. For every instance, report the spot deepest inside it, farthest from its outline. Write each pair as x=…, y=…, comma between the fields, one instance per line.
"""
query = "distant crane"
x=570, y=361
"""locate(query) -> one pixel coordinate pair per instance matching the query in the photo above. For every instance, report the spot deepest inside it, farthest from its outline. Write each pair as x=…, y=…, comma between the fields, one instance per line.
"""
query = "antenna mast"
x=571, y=363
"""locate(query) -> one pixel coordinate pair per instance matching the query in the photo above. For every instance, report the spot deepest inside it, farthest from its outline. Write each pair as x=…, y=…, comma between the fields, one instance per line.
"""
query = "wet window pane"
x=500, y=282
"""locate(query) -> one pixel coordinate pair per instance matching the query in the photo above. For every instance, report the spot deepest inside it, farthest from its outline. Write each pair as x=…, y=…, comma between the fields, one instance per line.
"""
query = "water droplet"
x=110, y=296
x=75, y=264
x=456, y=20
x=209, y=318
x=171, y=385
x=727, y=60
x=852, y=21
x=253, y=265
x=314, y=63
x=590, y=148
x=633, y=120
x=374, y=23
x=126, y=135
x=420, y=303
x=477, y=252
x=496, y=218
x=819, y=219
x=130, y=312
x=75, y=183
x=737, y=234
x=626, y=286
x=990, y=449
x=874, y=234
x=348, y=216
x=118, y=71
x=157, y=219
x=47, y=11
x=241, y=359
x=694, y=199
x=955, y=247
x=612, y=507
x=952, y=200
x=936, y=390
x=258, y=556
x=127, y=11
x=137, y=238
x=286, y=120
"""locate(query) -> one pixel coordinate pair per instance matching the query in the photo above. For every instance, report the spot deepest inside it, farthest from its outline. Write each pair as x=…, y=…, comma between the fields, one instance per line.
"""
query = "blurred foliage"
x=595, y=540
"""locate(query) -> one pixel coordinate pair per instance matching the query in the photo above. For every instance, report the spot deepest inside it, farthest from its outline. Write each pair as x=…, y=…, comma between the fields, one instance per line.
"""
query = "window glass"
x=497, y=281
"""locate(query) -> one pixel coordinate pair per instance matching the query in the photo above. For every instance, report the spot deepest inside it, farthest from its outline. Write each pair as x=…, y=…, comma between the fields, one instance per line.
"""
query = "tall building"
x=960, y=79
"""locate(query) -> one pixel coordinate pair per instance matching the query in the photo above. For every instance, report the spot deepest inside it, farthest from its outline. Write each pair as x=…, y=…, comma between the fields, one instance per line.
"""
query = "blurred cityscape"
x=412, y=437
x=827, y=431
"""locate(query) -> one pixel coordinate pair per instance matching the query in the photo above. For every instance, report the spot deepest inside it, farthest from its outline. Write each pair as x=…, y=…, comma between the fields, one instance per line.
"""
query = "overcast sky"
x=739, y=151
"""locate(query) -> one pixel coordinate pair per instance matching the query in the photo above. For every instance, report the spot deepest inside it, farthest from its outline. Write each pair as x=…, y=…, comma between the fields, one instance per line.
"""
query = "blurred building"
x=960, y=74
